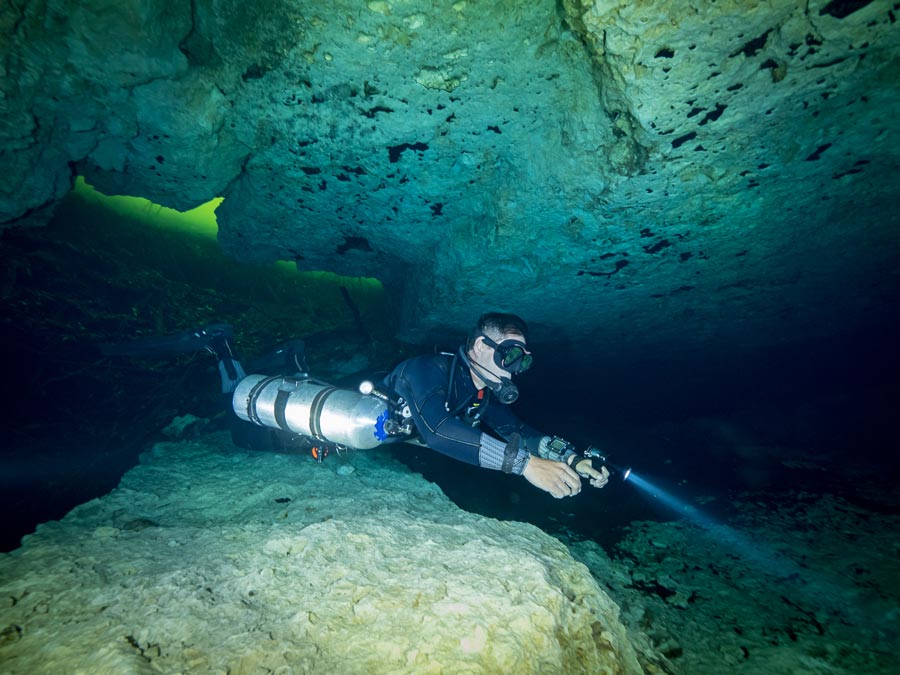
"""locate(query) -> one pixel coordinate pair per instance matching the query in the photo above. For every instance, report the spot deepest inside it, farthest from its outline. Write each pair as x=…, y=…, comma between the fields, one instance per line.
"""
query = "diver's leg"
x=295, y=358
x=230, y=369
x=288, y=358
x=243, y=434
x=165, y=345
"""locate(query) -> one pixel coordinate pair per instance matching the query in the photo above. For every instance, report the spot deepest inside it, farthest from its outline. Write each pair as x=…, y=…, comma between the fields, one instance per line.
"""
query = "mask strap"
x=493, y=386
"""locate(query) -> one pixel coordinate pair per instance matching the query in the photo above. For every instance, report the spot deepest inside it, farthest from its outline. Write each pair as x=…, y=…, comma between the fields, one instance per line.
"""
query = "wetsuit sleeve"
x=503, y=421
x=422, y=384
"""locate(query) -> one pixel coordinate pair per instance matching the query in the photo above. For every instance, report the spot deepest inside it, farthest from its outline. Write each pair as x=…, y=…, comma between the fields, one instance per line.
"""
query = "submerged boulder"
x=209, y=559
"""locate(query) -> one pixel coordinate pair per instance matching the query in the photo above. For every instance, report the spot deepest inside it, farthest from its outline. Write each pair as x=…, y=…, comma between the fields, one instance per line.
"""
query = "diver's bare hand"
x=553, y=477
x=598, y=479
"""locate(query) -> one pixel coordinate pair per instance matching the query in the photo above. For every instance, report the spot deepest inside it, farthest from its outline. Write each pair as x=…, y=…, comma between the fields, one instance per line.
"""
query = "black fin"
x=187, y=341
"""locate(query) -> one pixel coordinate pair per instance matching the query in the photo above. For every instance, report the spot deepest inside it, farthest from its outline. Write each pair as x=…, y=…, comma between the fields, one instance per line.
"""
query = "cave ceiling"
x=635, y=175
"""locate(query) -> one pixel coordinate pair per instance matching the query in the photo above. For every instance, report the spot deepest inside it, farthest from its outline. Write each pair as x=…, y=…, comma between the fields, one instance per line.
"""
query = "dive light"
x=614, y=469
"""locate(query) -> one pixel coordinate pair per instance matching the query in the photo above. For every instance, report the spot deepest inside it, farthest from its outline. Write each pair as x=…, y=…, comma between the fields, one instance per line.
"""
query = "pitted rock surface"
x=210, y=560
x=609, y=169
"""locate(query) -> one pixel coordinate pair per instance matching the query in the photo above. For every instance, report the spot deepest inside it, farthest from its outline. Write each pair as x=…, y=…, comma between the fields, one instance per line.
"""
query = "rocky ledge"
x=207, y=559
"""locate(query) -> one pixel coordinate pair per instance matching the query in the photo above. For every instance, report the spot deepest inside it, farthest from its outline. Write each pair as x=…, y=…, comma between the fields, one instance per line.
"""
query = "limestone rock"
x=647, y=166
x=803, y=585
x=184, y=426
x=210, y=560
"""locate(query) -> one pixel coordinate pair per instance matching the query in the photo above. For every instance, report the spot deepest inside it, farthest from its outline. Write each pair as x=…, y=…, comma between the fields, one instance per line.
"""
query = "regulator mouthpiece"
x=506, y=392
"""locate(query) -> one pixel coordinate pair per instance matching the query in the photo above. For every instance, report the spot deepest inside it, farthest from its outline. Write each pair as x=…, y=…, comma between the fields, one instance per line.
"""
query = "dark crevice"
x=254, y=72
x=841, y=9
x=394, y=151
x=713, y=115
x=619, y=265
x=354, y=244
x=657, y=247
x=681, y=140
x=753, y=47
x=818, y=153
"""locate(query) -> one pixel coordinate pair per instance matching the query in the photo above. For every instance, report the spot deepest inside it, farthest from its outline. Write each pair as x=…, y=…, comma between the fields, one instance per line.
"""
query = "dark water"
x=818, y=416
x=75, y=421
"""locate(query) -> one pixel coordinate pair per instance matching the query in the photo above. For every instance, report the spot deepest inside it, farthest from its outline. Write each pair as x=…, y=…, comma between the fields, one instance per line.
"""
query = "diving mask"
x=510, y=354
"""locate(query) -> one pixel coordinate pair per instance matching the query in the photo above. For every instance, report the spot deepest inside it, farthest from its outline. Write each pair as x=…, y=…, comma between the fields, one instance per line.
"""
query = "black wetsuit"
x=465, y=424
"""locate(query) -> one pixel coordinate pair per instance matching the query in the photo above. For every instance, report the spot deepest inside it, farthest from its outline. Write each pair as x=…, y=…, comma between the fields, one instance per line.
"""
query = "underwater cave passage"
x=163, y=271
x=354, y=244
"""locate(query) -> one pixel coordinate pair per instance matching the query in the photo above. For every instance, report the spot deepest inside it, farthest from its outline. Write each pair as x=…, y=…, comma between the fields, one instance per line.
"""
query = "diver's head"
x=496, y=350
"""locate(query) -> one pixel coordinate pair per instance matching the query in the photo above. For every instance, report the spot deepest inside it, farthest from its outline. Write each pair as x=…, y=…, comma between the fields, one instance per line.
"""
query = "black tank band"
x=254, y=393
x=281, y=400
x=315, y=412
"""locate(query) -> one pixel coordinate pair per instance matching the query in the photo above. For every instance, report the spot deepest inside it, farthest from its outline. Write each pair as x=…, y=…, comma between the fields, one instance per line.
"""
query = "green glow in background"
x=198, y=222
x=108, y=268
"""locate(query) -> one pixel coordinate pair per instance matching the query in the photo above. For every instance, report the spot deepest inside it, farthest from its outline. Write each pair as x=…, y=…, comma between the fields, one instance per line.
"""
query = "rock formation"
x=604, y=168
x=209, y=560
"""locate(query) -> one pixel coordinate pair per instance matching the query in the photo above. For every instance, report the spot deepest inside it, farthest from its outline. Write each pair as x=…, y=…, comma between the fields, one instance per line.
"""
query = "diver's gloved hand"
x=557, y=478
x=586, y=469
x=560, y=450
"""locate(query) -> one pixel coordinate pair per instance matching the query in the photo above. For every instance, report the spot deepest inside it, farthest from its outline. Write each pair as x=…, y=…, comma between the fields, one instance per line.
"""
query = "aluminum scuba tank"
x=312, y=408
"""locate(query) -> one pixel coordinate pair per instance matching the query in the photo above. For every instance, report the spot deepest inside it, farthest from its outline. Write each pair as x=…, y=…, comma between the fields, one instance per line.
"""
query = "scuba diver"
x=459, y=405
x=454, y=403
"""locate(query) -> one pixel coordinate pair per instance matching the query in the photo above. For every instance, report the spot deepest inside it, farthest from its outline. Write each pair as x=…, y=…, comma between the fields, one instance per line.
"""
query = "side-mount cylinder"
x=312, y=408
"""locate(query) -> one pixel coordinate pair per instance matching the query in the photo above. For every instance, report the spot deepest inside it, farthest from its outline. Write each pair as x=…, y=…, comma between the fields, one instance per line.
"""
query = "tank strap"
x=285, y=390
x=315, y=411
x=281, y=400
x=253, y=393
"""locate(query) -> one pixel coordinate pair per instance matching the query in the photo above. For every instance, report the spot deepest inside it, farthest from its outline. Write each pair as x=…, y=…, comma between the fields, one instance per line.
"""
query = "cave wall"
x=648, y=173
